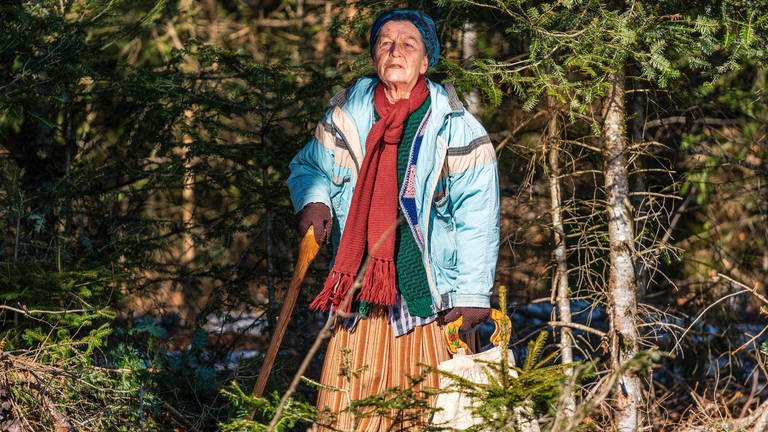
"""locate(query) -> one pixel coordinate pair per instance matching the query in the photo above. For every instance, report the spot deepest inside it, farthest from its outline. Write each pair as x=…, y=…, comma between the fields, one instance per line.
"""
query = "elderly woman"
x=401, y=176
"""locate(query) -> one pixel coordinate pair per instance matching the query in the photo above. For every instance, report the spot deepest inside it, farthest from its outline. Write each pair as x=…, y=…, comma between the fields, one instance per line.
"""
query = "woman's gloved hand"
x=317, y=215
x=472, y=316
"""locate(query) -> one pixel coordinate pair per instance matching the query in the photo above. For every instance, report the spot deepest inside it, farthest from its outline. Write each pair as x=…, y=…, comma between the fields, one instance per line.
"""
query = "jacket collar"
x=444, y=98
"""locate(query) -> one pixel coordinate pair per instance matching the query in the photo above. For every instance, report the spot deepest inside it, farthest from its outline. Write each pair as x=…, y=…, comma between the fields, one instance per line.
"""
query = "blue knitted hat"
x=422, y=22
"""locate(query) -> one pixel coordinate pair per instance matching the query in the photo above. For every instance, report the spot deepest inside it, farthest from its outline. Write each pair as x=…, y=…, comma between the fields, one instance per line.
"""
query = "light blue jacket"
x=456, y=185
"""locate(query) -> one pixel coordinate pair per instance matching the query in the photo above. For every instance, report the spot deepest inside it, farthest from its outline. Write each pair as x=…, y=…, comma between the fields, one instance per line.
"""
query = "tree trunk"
x=560, y=286
x=622, y=301
x=321, y=38
x=344, y=47
x=188, y=252
x=642, y=269
x=468, y=53
x=213, y=22
x=265, y=139
x=187, y=195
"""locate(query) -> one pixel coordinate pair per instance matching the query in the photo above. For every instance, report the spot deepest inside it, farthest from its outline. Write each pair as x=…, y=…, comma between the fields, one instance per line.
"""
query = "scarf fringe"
x=334, y=291
x=379, y=285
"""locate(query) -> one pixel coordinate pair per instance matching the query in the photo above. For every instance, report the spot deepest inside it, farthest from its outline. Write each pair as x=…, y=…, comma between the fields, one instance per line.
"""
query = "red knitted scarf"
x=370, y=226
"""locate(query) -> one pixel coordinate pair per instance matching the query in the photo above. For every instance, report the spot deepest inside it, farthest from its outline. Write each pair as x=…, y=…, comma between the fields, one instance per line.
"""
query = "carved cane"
x=307, y=251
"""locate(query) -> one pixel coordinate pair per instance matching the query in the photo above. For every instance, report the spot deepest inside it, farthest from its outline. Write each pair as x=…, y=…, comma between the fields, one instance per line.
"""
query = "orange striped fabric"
x=368, y=361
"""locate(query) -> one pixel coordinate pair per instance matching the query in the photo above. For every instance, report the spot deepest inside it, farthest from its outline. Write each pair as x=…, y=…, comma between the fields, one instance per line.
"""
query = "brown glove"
x=317, y=215
x=472, y=316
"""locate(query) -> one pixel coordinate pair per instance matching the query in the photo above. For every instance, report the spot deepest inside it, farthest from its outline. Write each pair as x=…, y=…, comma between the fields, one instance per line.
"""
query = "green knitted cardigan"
x=411, y=275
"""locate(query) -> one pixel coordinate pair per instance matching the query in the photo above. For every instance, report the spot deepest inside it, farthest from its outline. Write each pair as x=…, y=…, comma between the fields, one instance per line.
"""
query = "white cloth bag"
x=454, y=407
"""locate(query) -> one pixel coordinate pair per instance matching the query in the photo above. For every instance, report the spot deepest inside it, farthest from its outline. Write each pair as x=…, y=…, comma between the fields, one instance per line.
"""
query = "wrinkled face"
x=400, y=55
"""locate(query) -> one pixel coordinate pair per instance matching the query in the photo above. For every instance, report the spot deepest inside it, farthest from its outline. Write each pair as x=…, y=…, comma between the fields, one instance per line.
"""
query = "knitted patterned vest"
x=411, y=275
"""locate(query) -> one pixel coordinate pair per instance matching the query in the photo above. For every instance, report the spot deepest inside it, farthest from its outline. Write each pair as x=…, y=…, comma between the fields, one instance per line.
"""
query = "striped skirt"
x=370, y=361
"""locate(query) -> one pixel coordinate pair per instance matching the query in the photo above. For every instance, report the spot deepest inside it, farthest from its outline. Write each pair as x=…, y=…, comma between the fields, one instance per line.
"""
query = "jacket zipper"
x=427, y=264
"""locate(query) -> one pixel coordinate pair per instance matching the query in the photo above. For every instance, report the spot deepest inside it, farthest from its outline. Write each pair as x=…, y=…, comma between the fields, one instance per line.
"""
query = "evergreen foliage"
x=99, y=138
x=538, y=384
x=118, y=117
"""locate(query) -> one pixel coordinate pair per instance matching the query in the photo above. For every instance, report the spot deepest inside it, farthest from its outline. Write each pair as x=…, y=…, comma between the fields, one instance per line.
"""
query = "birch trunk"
x=560, y=280
x=468, y=53
x=622, y=301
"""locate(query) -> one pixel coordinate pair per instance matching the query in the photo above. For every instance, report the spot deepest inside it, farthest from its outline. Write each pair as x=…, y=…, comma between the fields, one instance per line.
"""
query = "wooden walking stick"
x=307, y=251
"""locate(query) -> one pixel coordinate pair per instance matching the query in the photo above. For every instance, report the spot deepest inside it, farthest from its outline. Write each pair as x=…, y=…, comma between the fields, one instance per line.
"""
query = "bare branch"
x=682, y=120
x=577, y=326
x=752, y=290
x=29, y=313
x=705, y=311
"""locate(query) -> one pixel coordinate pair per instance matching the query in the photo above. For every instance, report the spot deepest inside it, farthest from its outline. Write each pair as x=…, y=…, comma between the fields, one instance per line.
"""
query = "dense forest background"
x=147, y=230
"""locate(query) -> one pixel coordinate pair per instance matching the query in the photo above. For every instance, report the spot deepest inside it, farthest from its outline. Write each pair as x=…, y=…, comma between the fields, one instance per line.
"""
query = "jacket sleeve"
x=310, y=177
x=474, y=195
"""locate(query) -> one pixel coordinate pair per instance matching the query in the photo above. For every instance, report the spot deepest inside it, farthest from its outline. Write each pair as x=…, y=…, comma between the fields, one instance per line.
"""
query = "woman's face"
x=400, y=55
